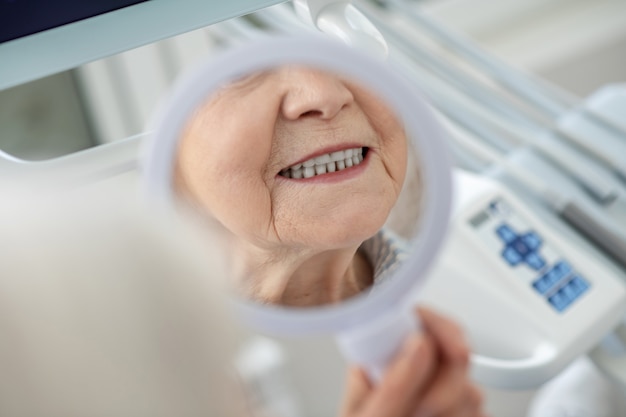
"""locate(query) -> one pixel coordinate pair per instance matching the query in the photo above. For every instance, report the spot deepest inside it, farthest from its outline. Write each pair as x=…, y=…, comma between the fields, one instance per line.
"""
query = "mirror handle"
x=373, y=344
x=339, y=18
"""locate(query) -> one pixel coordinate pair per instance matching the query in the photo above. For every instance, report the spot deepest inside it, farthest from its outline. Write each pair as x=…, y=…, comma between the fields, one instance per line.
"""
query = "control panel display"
x=530, y=257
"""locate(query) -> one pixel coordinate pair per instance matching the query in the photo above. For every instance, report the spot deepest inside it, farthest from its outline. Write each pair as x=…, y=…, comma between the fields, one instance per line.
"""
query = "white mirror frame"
x=422, y=128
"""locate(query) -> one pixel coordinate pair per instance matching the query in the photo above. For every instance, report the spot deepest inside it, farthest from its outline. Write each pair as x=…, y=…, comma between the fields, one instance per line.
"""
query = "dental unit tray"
x=530, y=301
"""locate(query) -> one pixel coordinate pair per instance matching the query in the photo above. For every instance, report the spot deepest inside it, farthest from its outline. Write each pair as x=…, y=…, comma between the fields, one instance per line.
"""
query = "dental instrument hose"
x=597, y=230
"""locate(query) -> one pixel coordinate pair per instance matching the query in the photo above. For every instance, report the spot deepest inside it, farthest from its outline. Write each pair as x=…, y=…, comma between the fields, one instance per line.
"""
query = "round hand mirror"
x=325, y=174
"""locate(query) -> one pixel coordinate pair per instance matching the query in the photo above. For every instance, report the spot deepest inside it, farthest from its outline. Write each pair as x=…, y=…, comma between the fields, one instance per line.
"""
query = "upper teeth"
x=330, y=162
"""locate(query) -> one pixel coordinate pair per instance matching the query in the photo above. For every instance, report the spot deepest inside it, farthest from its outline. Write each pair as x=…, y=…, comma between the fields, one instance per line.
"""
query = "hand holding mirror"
x=297, y=151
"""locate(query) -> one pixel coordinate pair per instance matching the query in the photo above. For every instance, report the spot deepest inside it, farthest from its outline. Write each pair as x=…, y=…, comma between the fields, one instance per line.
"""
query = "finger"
x=475, y=399
x=473, y=405
x=358, y=387
x=446, y=393
x=448, y=335
x=470, y=406
x=407, y=377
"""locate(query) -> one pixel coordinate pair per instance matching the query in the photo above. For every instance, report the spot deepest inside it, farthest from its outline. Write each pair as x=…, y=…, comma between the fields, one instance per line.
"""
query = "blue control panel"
x=558, y=283
x=523, y=249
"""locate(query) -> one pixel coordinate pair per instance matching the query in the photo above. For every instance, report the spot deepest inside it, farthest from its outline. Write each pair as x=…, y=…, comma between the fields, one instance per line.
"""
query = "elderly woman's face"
x=294, y=156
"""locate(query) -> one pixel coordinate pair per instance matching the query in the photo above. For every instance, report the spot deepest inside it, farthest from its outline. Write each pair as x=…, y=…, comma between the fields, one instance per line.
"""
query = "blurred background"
x=579, y=45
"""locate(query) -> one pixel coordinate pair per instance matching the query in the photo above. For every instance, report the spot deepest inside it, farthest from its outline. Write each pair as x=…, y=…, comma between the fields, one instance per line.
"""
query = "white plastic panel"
x=72, y=45
x=522, y=331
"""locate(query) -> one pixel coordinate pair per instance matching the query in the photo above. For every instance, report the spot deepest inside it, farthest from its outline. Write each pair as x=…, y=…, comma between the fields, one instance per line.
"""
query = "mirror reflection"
x=303, y=169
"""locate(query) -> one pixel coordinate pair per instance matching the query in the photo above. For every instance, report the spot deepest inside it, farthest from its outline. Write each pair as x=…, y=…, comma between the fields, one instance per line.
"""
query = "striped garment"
x=386, y=251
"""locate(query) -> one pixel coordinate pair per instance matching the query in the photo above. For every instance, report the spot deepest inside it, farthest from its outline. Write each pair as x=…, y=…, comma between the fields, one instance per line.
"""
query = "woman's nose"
x=313, y=93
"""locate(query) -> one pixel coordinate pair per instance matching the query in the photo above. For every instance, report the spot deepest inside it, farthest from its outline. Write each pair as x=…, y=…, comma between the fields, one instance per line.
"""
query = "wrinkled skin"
x=295, y=241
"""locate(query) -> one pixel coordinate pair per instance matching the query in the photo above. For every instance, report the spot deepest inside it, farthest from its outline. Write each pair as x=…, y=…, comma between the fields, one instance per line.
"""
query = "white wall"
x=579, y=45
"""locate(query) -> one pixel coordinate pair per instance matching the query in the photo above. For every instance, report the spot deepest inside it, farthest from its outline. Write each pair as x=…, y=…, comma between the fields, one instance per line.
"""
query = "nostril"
x=319, y=99
x=312, y=113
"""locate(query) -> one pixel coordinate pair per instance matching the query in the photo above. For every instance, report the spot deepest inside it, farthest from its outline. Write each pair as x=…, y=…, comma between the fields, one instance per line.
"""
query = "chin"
x=351, y=232
x=341, y=225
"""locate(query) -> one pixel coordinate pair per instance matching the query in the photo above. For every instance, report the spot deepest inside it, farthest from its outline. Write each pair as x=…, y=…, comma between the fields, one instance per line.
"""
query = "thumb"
x=405, y=381
x=358, y=388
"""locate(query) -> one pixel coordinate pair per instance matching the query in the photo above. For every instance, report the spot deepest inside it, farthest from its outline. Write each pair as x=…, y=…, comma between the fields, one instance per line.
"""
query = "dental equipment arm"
x=609, y=105
x=342, y=20
x=519, y=83
x=602, y=187
x=578, y=126
x=602, y=231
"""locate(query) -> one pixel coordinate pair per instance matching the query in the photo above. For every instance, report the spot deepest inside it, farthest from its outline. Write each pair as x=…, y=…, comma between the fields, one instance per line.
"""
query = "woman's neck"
x=304, y=278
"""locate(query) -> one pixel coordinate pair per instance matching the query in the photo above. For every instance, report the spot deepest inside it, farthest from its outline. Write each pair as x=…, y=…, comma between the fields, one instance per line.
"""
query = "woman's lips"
x=326, y=163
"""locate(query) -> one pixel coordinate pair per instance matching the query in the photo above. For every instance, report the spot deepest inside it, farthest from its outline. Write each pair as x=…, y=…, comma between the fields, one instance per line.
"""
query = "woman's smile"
x=328, y=165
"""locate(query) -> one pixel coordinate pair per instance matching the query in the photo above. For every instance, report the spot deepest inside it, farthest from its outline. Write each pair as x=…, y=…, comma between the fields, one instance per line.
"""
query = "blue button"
x=535, y=261
x=563, y=268
x=520, y=247
x=532, y=240
x=547, y=281
x=559, y=301
x=506, y=233
x=578, y=284
x=569, y=292
x=552, y=276
x=542, y=285
x=511, y=256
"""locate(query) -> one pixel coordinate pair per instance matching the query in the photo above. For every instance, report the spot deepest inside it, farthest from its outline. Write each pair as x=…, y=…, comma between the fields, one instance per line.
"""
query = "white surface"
x=375, y=344
x=348, y=24
x=581, y=390
x=71, y=45
x=120, y=92
x=536, y=34
x=606, y=145
x=527, y=342
x=609, y=105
